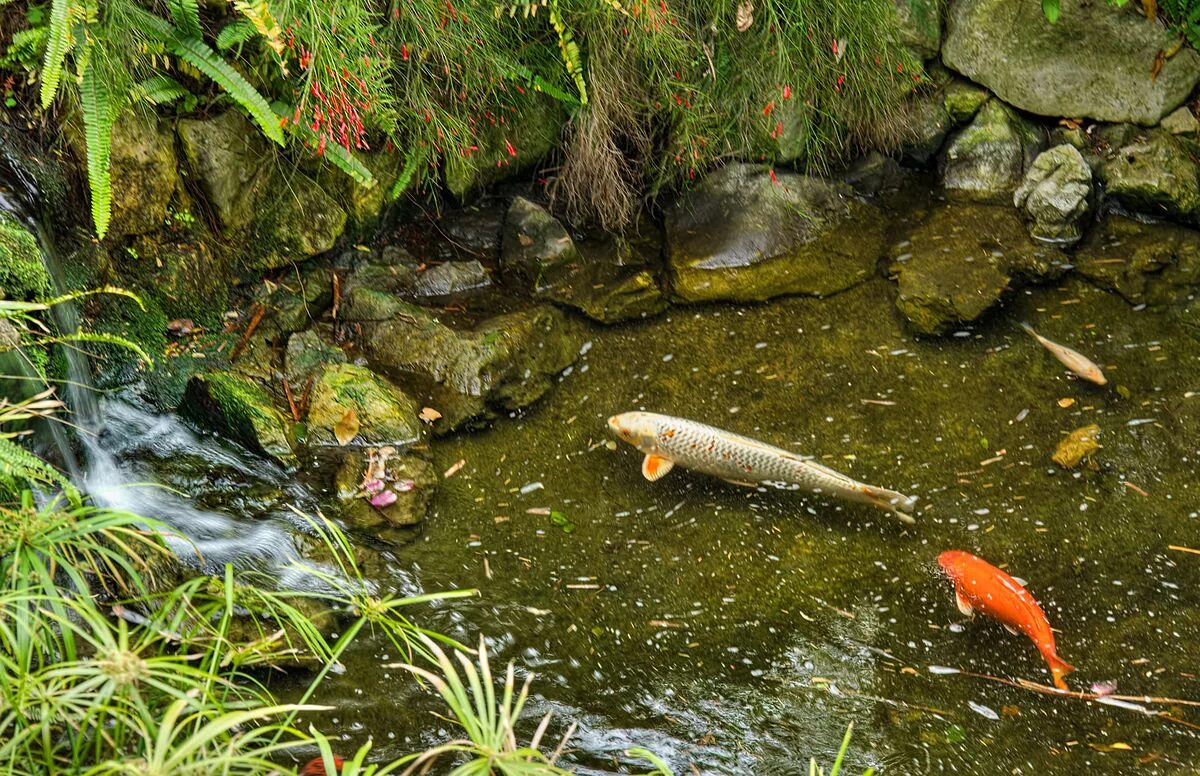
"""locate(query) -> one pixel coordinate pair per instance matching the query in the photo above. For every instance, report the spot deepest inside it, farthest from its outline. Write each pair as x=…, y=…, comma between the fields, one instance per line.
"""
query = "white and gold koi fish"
x=667, y=441
x=1078, y=363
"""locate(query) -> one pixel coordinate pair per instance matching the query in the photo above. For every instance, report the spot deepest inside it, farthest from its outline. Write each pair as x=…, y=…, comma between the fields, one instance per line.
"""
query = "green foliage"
x=835, y=769
x=1184, y=16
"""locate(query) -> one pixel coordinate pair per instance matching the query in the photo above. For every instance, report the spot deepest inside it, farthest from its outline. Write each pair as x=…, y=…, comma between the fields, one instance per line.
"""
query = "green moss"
x=22, y=273
x=240, y=410
x=385, y=414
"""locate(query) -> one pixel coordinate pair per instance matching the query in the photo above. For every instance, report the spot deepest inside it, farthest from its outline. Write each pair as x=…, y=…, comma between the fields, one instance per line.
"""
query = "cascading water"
x=151, y=464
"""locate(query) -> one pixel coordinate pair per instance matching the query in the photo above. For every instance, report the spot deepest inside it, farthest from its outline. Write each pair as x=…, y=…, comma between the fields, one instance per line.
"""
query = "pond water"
x=735, y=630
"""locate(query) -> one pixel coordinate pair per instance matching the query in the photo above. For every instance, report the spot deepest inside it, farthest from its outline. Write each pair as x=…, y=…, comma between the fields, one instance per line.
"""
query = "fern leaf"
x=572, y=59
x=232, y=34
x=257, y=12
x=415, y=157
x=186, y=14
x=56, y=49
x=97, y=121
x=159, y=90
x=104, y=338
x=17, y=460
x=519, y=72
x=198, y=54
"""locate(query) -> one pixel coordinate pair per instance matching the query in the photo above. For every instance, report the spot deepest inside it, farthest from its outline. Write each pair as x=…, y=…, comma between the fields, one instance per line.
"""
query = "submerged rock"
x=1144, y=263
x=1154, y=173
x=988, y=158
x=608, y=294
x=1094, y=62
x=413, y=481
x=741, y=236
x=536, y=250
x=1076, y=446
x=961, y=260
x=472, y=233
x=874, y=173
x=505, y=363
x=238, y=409
x=386, y=415
x=1055, y=195
x=451, y=278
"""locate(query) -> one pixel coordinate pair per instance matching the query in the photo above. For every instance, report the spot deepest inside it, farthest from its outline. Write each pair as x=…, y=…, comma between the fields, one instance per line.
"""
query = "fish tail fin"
x=1028, y=329
x=896, y=503
x=1058, y=669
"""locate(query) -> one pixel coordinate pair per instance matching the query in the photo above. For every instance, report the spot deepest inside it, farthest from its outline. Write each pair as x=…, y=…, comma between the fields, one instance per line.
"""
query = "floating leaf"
x=1051, y=9
x=1067, y=402
x=429, y=414
x=562, y=521
x=454, y=468
x=346, y=428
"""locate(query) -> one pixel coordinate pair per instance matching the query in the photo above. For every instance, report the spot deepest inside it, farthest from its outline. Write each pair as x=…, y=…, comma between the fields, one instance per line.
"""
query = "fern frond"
x=158, y=90
x=257, y=12
x=186, y=14
x=104, y=338
x=518, y=72
x=18, y=461
x=572, y=59
x=56, y=49
x=337, y=155
x=234, y=33
x=97, y=122
x=198, y=54
x=415, y=157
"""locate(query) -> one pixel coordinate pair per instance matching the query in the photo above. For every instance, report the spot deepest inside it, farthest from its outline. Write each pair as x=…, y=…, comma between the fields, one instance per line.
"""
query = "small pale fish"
x=668, y=441
x=1078, y=363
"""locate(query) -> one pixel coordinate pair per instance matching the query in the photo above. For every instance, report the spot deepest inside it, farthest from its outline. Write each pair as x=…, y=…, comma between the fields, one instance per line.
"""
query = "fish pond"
x=741, y=630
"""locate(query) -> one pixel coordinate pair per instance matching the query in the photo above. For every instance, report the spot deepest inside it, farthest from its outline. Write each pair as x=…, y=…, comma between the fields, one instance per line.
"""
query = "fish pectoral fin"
x=741, y=483
x=655, y=467
x=963, y=604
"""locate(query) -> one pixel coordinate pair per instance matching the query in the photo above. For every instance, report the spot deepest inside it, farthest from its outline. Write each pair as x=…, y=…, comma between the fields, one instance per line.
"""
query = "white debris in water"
x=961, y=334
x=1140, y=421
x=759, y=345
x=1022, y=415
x=983, y=511
x=668, y=357
x=942, y=670
x=982, y=710
x=954, y=627
x=1137, y=308
x=583, y=350
x=531, y=487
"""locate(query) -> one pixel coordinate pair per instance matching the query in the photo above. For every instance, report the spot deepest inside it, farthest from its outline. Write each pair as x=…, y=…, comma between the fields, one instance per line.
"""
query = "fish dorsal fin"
x=963, y=604
x=655, y=467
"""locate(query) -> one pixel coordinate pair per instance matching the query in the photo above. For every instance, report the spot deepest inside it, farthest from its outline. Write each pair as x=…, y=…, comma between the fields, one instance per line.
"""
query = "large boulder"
x=23, y=276
x=1094, y=62
x=1145, y=263
x=1055, y=195
x=961, y=260
x=1154, y=173
x=742, y=236
x=143, y=172
x=988, y=158
x=278, y=216
x=505, y=363
x=385, y=415
x=238, y=409
x=920, y=25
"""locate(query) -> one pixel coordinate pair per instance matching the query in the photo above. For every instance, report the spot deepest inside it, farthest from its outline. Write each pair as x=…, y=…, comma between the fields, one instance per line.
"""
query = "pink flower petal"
x=374, y=486
x=381, y=500
x=404, y=486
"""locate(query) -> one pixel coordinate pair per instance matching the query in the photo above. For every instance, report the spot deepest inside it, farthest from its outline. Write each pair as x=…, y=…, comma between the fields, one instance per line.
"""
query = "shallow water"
x=738, y=631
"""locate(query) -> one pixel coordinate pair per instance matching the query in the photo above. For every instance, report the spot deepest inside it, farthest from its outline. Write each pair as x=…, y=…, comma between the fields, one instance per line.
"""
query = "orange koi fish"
x=981, y=587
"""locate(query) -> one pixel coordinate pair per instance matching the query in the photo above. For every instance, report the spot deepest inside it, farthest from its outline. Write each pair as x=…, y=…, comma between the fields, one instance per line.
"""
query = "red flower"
x=773, y=176
x=769, y=108
x=787, y=92
x=403, y=47
x=511, y=151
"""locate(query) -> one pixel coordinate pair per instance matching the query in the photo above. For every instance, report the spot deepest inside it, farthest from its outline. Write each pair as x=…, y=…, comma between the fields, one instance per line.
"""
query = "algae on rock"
x=741, y=236
x=987, y=159
x=385, y=414
x=23, y=276
x=239, y=410
x=1056, y=195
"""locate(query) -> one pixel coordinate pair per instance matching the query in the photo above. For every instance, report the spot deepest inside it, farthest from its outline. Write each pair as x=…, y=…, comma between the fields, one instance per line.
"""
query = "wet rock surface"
x=239, y=410
x=1056, y=194
x=413, y=480
x=988, y=158
x=962, y=260
x=1153, y=172
x=450, y=279
x=740, y=236
x=536, y=250
x=383, y=414
x=504, y=363
x=1091, y=63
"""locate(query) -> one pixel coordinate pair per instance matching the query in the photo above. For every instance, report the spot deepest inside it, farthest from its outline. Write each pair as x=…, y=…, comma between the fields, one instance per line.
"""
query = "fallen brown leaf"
x=1064, y=403
x=1160, y=59
x=429, y=414
x=346, y=428
x=454, y=468
x=745, y=15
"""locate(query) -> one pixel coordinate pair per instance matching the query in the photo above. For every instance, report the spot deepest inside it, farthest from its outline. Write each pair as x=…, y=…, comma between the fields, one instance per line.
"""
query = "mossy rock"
x=23, y=276
x=963, y=99
x=372, y=292
x=386, y=416
x=988, y=158
x=412, y=479
x=920, y=23
x=298, y=220
x=532, y=134
x=296, y=302
x=1154, y=173
x=239, y=410
x=144, y=173
x=308, y=352
x=961, y=260
x=1094, y=62
x=741, y=236
x=611, y=294
x=1056, y=194
x=506, y=363
x=363, y=204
